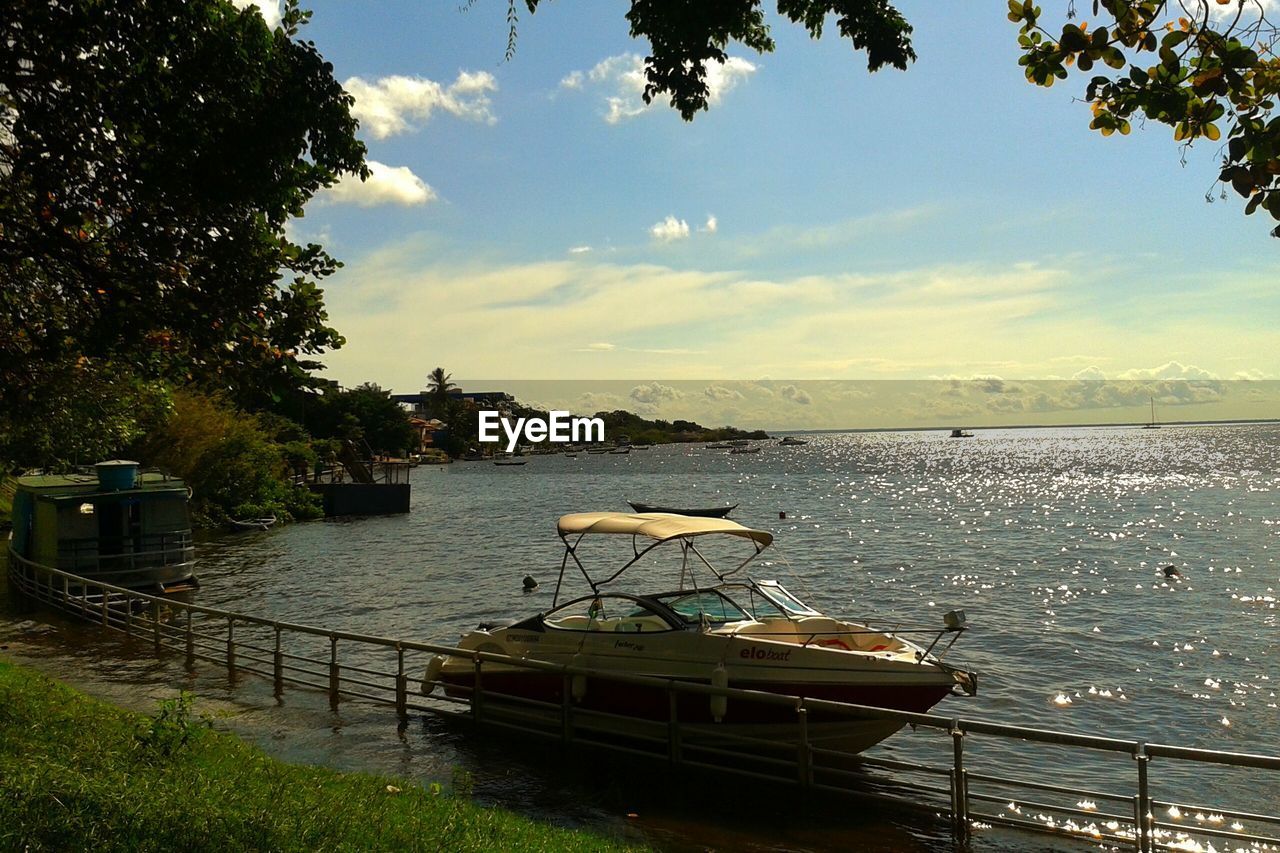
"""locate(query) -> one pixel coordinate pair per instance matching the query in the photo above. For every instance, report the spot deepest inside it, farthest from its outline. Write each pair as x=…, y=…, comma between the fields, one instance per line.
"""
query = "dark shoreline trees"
x=152, y=155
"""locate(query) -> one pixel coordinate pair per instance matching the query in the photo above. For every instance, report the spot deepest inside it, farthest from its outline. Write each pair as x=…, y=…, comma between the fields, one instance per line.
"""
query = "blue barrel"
x=117, y=474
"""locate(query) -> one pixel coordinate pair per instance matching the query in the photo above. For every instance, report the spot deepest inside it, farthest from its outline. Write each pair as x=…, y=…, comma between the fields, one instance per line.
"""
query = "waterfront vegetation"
x=81, y=774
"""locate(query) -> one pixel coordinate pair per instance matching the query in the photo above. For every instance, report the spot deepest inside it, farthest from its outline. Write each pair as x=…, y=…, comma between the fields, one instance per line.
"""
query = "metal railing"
x=350, y=666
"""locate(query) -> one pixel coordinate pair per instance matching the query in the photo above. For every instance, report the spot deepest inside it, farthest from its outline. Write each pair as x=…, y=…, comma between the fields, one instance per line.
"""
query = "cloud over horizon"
x=385, y=107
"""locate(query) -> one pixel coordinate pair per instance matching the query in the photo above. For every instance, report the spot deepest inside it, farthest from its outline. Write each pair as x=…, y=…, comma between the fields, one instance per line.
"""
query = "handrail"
x=118, y=608
x=937, y=721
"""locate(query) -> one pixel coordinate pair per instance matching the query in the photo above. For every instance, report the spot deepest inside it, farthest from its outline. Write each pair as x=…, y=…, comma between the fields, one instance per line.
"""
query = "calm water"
x=1050, y=540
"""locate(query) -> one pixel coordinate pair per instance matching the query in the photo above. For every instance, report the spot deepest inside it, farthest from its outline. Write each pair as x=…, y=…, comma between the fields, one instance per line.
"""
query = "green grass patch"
x=77, y=774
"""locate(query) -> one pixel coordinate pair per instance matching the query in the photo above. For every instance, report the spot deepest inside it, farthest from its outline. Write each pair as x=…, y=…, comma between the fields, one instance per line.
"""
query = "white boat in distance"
x=730, y=631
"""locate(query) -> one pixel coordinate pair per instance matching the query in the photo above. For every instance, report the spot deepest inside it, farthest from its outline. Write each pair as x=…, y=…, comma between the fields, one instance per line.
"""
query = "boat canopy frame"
x=661, y=528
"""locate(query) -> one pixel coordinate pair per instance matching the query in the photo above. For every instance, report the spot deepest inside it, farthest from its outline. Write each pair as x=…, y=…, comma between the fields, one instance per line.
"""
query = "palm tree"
x=439, y=385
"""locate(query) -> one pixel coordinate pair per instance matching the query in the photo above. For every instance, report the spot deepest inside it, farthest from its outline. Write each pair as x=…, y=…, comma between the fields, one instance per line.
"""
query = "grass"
x=77, y=773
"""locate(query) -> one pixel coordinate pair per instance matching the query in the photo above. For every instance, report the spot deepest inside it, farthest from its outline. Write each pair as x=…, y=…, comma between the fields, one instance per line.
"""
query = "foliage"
x=73, y=781
x=1186, y=65
x=171, y=729
x=88, y=411
x=1206, y=68
x=235, y=466
x=684, y=37
x=435, y=399
x=152, y=155
x=364, y=413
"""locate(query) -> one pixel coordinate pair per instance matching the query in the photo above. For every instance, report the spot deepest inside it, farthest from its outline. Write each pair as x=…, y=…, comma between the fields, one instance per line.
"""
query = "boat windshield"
x=768, y=600
x=695, y=605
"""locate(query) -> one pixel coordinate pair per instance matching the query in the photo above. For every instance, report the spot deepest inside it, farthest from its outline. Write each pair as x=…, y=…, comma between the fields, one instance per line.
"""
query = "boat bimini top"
x=660, y=527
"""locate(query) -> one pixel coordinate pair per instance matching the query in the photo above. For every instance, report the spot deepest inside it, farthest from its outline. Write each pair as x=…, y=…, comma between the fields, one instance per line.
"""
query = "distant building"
x=426, y=431
x=479, y=399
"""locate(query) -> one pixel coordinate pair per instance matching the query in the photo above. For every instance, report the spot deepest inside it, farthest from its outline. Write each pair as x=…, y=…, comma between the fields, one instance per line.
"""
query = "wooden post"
x=333, y=672
x=1142, y=827
x=960, y=796
x=155, y=625
x=673, y=726
x=231, y=648
x=128, y=616
x=566, y=706
x=106, y=622
x=477, y=694
x=66, y=592
x=191, y=644
x=402, y=685
x=277, y=668
x=804, y=757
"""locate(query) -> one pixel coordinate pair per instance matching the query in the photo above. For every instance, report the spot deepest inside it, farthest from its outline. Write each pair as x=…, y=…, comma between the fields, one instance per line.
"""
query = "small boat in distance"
x=745, y=450
x=240, y=525
x=704, y=512
x=960, y=433
x=792, y=441
x=1152, y=423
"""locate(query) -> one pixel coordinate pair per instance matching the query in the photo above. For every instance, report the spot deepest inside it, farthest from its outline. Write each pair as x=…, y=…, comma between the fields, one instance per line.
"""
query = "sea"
x=1053, y=541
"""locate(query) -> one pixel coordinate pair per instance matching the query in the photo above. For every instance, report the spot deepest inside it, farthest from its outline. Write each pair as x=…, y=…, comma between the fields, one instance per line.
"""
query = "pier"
x=958, y=787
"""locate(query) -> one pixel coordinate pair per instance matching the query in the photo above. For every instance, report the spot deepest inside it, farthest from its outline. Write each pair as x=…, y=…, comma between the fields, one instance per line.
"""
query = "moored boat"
x=792, y=441
x=703, y=512
x=116, y=524
x=723, y=632
x=242, y=525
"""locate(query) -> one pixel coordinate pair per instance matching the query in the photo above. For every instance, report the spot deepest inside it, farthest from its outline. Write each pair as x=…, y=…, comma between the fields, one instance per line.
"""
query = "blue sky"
x=819, y=222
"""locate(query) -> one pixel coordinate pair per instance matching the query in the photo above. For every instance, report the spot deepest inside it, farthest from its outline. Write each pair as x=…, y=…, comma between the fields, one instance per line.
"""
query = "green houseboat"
x=115, y=524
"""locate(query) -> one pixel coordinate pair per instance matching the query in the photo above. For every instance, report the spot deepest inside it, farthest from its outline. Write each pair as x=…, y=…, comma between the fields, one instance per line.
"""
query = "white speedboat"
x=731, y=630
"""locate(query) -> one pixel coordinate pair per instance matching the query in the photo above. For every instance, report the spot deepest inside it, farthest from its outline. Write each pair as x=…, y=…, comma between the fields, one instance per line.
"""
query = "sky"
x=532, y=219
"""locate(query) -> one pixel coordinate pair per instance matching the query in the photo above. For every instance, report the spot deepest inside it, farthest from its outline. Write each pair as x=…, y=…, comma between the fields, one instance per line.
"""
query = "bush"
x=231, y=461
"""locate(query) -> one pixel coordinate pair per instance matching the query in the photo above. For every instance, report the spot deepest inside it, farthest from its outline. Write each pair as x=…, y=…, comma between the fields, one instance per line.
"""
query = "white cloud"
x=621, y=81
x=1091, y=373
x=600, y=347
x=796, y=395
x=579, y=250
x=654, y=392
x=270, y=10
x=711, y=226
x=670, y=229
x=386, y=185
x=719, y=392
x=1169, y=370
x=386, y=106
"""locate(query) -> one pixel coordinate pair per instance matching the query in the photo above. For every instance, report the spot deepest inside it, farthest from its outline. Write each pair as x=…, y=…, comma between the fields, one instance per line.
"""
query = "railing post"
x=128, y=616
x=231, y=647
x=402, y=685
x=673, y=726
x=1142, y=804
x=477, y=693
x=277, y=666
x=805, y=754
x=155, y=625
x=333, y=672
x=566, y=706
x=959, y=786
x=191, y=643
x=66, y=591
x=106, y=623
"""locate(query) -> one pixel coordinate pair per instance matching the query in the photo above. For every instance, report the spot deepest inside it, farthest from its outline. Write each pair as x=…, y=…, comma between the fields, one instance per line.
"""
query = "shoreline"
x=81, y=772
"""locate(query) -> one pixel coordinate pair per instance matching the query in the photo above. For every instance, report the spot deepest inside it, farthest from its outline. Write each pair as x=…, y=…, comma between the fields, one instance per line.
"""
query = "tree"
x=152, y=154
x=366, y=411
x=1184, y=64
x=1195, y=65
x=439, y=386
